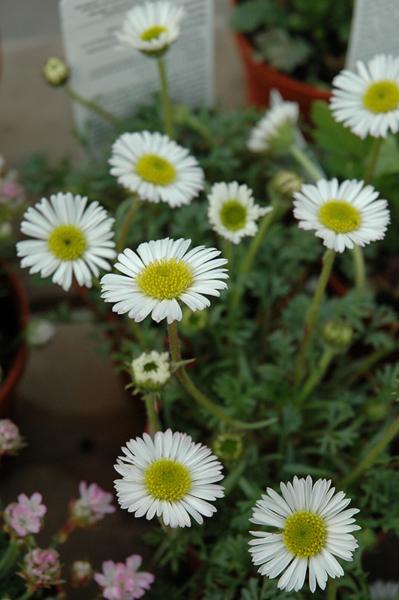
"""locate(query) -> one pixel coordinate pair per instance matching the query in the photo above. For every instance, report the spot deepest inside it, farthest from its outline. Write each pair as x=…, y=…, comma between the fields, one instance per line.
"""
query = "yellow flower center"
x=152, y=33
x=166, y=479
x=305, y=534
x=67, y=242
x=155, y=169
x=340, y=216
x=382, y=96
x=233, y=215
x=165, y=279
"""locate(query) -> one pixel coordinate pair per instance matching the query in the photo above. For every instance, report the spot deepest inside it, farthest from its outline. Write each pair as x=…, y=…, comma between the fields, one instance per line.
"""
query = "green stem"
x=373, y=159
x=9, y=559
x=198, y=395
x=28, y=594
x=306, y=163
x=126, y=224
x=313, y=311
x=150, y=401
x=365, y=364
x=93, y=107
x=165, y=98
x=228, y=252
x=332, y=590
x=315, y=378
x=360, y=269
x=385, y=438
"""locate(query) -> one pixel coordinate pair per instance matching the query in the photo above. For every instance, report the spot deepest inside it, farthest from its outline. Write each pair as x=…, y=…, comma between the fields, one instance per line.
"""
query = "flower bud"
x=41, y=569
x=228, y=446
x=55, y=71
x=193, y=322
x=338, y=334
x=81, y=573
x=150, y=371
x=11, y=440
x=377, y=411
x=286, y=183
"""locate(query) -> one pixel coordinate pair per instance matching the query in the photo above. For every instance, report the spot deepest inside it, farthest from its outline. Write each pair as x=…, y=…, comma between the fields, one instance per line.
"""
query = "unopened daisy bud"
x=40, y=332
x=228, y=446
x=81, y=573
x=377, y=411
x=11, y=440
x=193, y=322
x=286, y=183
x=384, y=590
x=56, y=71
x=25, y=516
x=152, y=28
x=41, y=569
x=275, y=133
x=338, y=334
x=92, y=505
x=151, y=371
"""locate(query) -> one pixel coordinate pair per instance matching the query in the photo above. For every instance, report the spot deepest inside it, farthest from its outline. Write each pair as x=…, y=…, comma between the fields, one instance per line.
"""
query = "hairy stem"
x=315, y=378
x=373, y=159
x=360, y=269
x=311, y=169
x=165, y=98
x=93, y=107
x=150, y=401
x=127, y=223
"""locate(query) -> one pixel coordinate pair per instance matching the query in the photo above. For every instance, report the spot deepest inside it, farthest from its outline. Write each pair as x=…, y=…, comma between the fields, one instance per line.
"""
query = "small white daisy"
x=71, y=237
x=384, y=590
x=368, y=101
x=162, y=273
x=152, y=27
x=313, y=527
x=156, y=168
x=168, y=476
x=151, y=370
x=343, y=215
x=276, y=131
x=232, y=211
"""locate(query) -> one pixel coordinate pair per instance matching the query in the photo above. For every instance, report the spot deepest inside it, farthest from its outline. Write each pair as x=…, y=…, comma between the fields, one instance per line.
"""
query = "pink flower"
x=41, y=568
x=26, y=515
x=122, y=581
x=11, y=190
x=92, y=506
x=10, y=439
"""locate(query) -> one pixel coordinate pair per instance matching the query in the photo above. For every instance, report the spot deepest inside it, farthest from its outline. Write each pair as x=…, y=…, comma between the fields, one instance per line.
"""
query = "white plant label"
x=120, y=78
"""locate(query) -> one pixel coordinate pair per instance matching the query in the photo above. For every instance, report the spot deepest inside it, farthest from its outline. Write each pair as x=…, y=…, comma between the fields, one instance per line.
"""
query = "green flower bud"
x=377, y=411
x=286, y=183
x=228, y=446
x=55, y=71
x=193, y=322
x=338, y=334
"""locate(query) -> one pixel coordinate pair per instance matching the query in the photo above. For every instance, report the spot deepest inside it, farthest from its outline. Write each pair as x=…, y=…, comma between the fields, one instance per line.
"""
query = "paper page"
x=121, y=78
x=375, y=29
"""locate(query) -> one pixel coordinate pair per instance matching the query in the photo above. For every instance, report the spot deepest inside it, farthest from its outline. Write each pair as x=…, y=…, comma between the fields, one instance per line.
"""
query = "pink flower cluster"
x=41, y=568
x=92, y=505
x=26, y=515
x=123, y=581
x=10, y=439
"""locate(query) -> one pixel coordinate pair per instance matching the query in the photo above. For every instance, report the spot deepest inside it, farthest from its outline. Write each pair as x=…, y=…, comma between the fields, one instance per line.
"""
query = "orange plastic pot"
x=261, y=79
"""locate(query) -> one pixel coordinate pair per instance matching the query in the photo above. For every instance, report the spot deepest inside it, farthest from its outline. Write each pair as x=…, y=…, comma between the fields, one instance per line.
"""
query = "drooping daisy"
x=343, y=215
x=71, y=237
x=151, y=370
x=156, y=168
x=368, y=101
x=152, y=27
x=232, y=211
x=384, y=590
x=168, y=476
x=275, y=132
x=313, y=527
x=161, y=274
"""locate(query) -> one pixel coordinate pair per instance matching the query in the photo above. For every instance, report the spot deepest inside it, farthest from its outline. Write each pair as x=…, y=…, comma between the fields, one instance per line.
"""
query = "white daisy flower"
x=368, y=101
x=151, y=370
x=152, y=27
x=276, y=131
x=384, y=590
x=232, y=211
x=161, y=274
x=156, y=168
x=168, y=476
x=343, y=215
x=313, y=528
x=71, y=237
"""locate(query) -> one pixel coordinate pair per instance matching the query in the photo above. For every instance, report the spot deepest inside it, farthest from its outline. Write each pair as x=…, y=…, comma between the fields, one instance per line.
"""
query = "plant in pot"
x=292, y=45
x=268, y=468
x=13, y=300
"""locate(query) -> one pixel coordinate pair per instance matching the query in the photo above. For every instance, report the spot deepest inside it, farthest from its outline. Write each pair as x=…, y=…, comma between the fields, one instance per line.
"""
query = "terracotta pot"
x=261, y=79
x=21, y=303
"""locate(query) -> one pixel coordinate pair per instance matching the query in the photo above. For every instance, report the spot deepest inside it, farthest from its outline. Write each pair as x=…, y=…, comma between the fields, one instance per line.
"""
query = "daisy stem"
x=373, y=159
x=150, y=401
x=360, y=268
x=126, y=224
x=385, y=438
x=93, y=107
x=331, y=590
x=312, y=170
x=315, y=378
x=313, y=311
x=165, y=97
